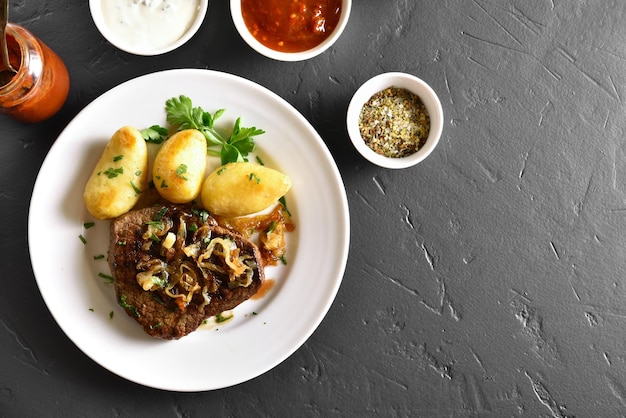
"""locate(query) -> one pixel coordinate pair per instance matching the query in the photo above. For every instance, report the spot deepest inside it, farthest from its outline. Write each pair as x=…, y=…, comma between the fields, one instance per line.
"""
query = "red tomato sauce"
x=36, y=93
x=291, y=25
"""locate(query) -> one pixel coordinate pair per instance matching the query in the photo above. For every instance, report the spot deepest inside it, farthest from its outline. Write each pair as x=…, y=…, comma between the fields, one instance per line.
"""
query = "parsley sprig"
x=183, y=115
x=155, y=134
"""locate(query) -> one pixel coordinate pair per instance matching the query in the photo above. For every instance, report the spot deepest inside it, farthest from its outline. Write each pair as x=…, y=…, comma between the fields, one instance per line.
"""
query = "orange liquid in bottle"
x=40, y=87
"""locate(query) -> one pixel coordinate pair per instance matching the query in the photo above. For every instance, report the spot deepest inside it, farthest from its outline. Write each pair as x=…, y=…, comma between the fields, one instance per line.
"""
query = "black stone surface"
x=486, y=281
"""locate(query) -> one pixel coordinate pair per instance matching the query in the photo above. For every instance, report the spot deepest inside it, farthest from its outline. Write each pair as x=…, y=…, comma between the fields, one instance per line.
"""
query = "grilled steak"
x=173, y=267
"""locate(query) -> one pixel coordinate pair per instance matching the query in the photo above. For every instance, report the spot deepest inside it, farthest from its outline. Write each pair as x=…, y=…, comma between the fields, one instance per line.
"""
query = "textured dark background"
x=486, y=281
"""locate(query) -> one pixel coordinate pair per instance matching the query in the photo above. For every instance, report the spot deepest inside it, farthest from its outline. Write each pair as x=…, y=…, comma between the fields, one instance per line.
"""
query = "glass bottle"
x=41, y=85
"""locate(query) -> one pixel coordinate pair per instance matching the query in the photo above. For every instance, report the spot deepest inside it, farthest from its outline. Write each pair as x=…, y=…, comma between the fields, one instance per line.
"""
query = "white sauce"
x=149, y=24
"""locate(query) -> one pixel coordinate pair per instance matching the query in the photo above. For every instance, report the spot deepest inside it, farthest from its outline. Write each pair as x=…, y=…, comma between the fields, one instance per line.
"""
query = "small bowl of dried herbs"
x=395, y=120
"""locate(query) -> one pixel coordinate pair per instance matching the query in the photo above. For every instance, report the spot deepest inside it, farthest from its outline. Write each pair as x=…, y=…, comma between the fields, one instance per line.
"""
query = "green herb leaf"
x=255, y=178
x=180, y=112
x=159, y=281
x=135, y=188
x=106, y=277
x=220, y=317
x=160, y=213
x=124, y=304
x=155, y=134
x=242, y=137
x=230, y=154
x=113, y=172
x=158, y=299
x=181, y=170
x=283, y=202
x=201, y=213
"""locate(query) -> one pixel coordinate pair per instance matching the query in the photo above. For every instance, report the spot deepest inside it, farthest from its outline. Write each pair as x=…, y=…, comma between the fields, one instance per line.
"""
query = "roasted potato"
x=179, y=166
x=119, y=177
x=243, y=188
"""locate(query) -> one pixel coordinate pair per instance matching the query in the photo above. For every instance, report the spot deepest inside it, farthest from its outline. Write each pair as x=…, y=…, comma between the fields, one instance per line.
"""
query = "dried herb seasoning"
x=394, y=122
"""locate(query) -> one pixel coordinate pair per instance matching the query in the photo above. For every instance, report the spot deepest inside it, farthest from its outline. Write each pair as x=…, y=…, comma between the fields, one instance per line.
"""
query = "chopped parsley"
x=106, y=277
x=160, y=282
x=283, y=202
x=160, y=214
x=124, y=304
x=254, y=177
x=219, y=318
x=113, y=172
x=135, y=188
x=158, y=299
x=181, y=170
x=157, y=224
x=202, y=214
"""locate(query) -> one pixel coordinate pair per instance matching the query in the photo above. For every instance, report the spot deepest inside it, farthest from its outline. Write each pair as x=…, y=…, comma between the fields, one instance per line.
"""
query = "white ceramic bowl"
x=235, y=11
x=412, y=84
x=145, y=30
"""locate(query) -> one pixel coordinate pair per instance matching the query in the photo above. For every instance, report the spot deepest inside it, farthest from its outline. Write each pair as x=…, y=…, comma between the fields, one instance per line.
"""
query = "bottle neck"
x=25, y=56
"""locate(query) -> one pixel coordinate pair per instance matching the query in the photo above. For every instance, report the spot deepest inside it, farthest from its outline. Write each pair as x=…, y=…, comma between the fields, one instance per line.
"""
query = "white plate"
x=264, y=332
